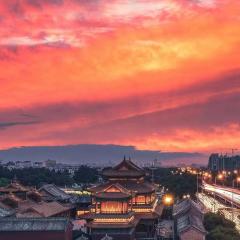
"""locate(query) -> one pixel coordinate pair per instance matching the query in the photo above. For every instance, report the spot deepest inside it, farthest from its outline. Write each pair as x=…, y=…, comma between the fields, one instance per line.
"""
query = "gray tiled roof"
x=131, y=186
x=55, y=191
x=187, y=221
x=185, y=206
x=33, y=224
x=126, y=168
x=6, y=212
x=188, y=214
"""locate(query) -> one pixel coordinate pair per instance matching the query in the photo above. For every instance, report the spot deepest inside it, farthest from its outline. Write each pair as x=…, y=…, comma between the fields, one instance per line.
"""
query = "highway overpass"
x=228, y=194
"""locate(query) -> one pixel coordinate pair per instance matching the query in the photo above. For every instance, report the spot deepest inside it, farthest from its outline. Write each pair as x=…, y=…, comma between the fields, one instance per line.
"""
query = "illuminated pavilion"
x=125, y=206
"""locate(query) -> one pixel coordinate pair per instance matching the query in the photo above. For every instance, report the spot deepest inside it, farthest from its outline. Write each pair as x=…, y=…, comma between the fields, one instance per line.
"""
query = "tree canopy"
x=177, y=184
x=86, y=174
x=220, y=228
x=38, y=176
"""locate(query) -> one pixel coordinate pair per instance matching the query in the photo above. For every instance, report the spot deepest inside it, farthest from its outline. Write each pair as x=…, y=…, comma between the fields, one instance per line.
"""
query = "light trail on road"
x=215, y=206
x=227, y=193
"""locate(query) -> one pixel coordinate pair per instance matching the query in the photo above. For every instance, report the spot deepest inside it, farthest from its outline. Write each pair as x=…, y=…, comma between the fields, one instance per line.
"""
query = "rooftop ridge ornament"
x=106, y=237
x=126, y=168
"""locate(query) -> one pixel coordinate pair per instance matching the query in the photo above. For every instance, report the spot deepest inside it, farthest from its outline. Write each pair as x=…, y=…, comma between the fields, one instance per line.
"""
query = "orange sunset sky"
x=155, y=74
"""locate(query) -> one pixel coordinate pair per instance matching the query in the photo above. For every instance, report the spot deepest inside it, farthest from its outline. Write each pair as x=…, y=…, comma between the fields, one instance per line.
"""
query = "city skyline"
x=157, y=75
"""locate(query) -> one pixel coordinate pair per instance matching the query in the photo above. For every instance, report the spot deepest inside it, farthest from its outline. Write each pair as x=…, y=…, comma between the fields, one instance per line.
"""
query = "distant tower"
x=15, y=180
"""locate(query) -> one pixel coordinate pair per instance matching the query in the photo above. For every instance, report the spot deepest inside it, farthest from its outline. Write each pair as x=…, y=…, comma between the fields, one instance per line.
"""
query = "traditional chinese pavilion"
x=125, y=206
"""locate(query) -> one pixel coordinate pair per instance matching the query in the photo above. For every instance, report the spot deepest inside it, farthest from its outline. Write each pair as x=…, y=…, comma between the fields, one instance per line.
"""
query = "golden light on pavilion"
x=122, y=199
x=238, y=179
x=168, y=199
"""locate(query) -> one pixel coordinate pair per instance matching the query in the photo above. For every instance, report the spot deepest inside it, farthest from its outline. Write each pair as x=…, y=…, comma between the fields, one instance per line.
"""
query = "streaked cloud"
x=154, y=74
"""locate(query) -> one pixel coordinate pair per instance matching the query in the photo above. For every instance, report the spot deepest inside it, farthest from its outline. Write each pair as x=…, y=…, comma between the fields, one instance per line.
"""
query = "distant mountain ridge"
x=94, y=154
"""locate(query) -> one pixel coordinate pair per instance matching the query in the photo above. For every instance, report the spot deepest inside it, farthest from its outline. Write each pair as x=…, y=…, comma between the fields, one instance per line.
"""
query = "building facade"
x=219, y=162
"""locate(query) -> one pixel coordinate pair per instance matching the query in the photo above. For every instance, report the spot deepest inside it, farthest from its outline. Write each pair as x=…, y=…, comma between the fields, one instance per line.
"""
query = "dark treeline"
x=38, y=176
x=177, y=184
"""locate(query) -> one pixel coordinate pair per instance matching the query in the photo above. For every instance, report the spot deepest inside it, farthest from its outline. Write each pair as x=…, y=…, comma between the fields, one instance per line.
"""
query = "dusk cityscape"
x=119, y=120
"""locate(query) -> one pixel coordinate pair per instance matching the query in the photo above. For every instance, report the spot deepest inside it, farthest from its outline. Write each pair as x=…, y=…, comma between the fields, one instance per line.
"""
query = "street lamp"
x=238, y=180
x=168, y=199
x=219, y=177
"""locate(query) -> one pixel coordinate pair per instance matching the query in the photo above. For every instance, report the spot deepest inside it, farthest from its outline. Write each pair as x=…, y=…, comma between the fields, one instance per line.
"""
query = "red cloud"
x=117, y=72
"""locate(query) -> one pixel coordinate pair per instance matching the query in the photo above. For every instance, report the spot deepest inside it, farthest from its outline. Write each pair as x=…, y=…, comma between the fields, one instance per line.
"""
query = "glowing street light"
x=220, y=176
x=237, y=180
x=168, y=199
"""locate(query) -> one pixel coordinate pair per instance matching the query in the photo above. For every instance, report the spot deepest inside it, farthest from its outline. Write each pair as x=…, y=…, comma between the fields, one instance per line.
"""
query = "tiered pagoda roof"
x=132, y=187
x=111, y=191
x=14, y=187
x=112, y=196
x=122, y=202
x=126, y=169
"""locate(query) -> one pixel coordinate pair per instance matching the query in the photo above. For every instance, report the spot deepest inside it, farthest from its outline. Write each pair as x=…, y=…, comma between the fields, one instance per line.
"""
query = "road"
x=213, y=205
x=229, y=194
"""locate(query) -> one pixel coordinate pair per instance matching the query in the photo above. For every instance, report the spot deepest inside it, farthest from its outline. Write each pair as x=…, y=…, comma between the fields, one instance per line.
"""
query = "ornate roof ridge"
x=128, y=164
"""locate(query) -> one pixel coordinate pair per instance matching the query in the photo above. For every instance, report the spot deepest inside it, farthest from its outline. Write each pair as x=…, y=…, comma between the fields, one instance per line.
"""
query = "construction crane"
x=232, y=150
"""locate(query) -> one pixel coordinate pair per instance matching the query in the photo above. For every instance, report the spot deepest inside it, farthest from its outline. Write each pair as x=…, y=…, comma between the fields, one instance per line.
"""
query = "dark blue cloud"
x=40, y=3
x=4, y=125
x=91, y=154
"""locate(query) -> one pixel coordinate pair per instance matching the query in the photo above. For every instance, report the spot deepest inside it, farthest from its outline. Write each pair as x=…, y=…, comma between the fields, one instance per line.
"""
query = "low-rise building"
x=38, y=165
x=28, y=202
x=188, y=221
x=51, y=192
x=50, y=163
x=35, y=228
x=43, y=209
x=165, y=230
x=16, y=189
